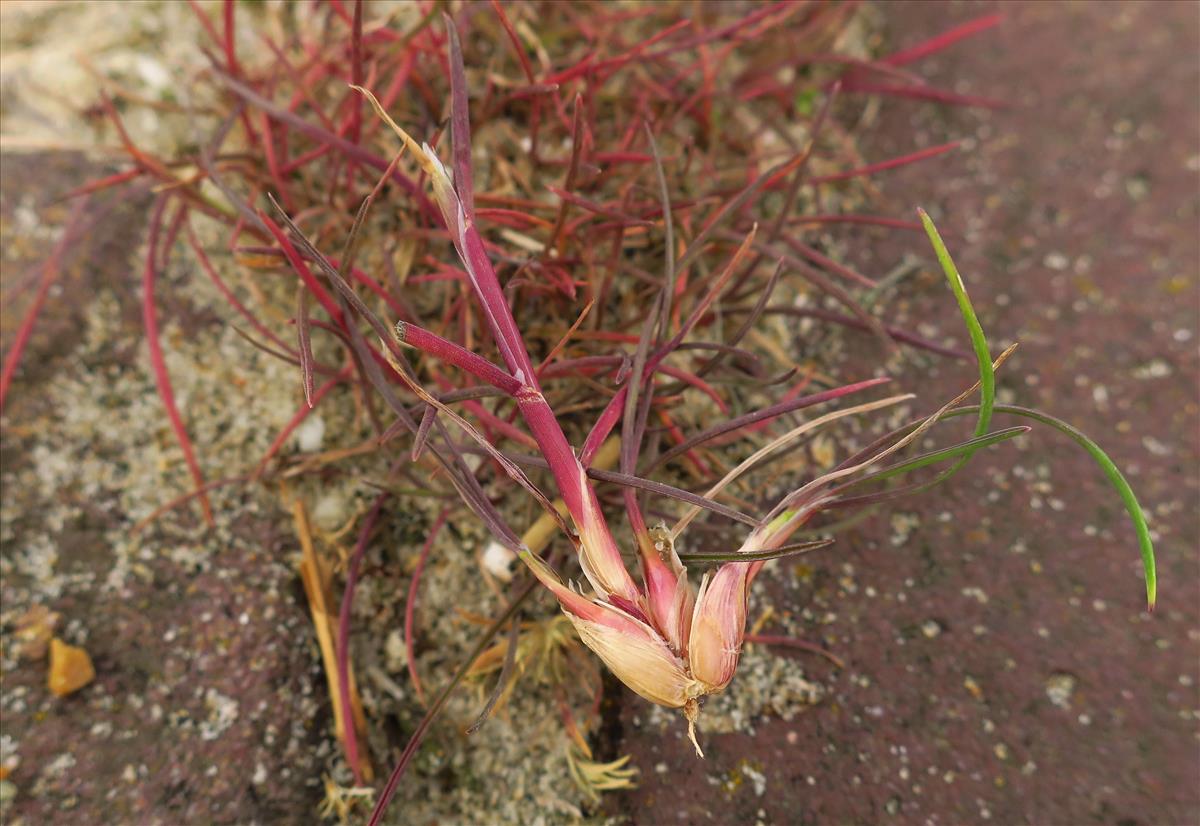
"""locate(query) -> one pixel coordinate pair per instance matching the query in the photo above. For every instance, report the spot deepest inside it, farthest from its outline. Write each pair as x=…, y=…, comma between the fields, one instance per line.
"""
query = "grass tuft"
x=591, y=259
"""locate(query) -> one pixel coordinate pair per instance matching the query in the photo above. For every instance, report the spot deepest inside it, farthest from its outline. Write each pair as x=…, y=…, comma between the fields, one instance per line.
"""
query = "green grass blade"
x=933, y=457
x=987, y=376
x=1114, y=476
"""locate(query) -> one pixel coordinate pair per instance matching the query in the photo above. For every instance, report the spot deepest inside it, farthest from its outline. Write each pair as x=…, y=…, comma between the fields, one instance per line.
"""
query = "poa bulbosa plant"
x=557, y=327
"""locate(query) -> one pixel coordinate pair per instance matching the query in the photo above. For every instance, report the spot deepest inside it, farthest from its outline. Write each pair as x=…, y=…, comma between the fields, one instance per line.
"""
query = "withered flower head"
x=670, y=645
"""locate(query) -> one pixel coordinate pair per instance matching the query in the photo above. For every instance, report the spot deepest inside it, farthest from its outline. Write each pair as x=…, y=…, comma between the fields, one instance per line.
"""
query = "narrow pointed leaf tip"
x=987, y=375
x=409, y=143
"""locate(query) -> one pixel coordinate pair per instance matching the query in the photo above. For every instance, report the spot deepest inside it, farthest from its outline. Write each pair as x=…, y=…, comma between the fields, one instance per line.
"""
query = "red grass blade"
x=50, y=271
x=827, y=263
x=943, y=40
x=460, y=124
x=104, y=183
x=459, y=356
x=230, y=38
x=815, y=277
x=793, y=642
x=764, y=414
x=356, y=73
x=205, y=21
x=904, y=160
x=572, y=170
x=302, y=269
x=422, y=434
x=597, y=208
x=159, y=365
x=896, y=333
x=518, y=47
x=588, y=66
x=211, y=272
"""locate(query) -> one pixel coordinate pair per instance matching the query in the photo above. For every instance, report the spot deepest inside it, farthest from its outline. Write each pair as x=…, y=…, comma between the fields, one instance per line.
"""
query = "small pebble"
x=70, y=668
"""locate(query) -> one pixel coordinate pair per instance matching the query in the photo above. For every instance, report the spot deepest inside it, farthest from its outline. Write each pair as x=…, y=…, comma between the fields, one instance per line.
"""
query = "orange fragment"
x=70, y=668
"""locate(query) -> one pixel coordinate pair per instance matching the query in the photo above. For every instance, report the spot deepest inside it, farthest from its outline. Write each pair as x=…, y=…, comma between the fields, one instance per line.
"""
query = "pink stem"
x=903, y=160
x=941, y=41
x=230, y=38
x=792, y=642
x=50, y=272
x=826, y=262
x=159, y=365
x=302, y=269
x=459, y=356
